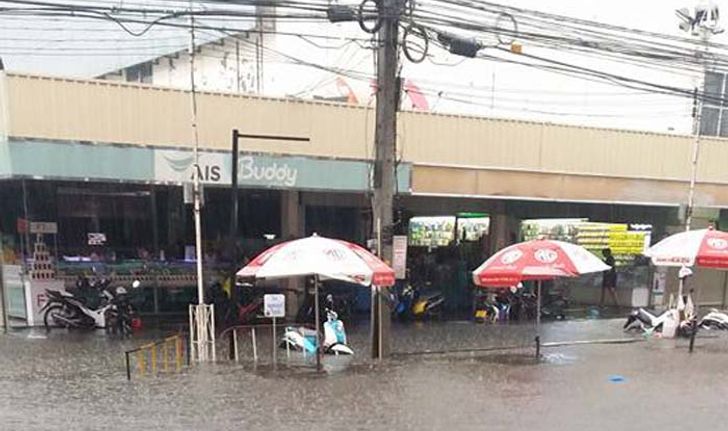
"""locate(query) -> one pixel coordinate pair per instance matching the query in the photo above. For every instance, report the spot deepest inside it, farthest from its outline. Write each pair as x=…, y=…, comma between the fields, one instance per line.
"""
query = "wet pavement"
x=63, y=380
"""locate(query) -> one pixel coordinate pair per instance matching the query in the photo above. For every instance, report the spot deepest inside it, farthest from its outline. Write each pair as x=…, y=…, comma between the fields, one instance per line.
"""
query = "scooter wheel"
x=49, y=319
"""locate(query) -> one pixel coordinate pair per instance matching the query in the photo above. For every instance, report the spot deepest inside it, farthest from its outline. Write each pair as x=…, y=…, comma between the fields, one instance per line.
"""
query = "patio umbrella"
x=536, y=260
x=705, y=248
x=322, y=258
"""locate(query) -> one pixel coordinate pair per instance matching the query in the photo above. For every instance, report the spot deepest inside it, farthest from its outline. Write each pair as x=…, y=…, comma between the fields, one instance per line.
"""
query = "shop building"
x=106, y=163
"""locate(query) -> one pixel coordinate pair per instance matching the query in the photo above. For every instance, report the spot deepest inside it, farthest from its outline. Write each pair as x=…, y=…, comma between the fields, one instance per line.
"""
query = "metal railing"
x=164, y=356
x=235, y=333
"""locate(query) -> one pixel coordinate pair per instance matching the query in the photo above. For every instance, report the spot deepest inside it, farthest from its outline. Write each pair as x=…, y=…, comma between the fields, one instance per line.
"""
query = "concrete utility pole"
x=384, y=161
x=3, y=297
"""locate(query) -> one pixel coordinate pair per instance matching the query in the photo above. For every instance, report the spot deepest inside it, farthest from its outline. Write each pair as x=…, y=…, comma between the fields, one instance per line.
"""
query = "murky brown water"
x=76, y=381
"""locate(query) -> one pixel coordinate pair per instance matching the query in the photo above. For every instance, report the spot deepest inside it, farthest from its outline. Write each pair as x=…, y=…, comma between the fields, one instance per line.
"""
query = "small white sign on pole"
x=399, y=256
x=274, y=305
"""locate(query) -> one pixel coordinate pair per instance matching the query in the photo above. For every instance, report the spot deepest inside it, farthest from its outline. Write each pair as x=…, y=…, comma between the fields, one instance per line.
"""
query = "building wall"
x=453, y=154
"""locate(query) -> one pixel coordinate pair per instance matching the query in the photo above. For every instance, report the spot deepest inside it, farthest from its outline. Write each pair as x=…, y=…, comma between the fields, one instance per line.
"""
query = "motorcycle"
x=715, y=319
x=428, y=304
x=70, y=311
x=402, y=303
x=121, y=317
x=304, y=339
x=486, y=309
x=554, y=306
x=648, y=322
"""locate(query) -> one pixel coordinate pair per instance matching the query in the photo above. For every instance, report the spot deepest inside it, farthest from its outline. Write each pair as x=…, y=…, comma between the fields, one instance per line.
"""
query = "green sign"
x=72, y=160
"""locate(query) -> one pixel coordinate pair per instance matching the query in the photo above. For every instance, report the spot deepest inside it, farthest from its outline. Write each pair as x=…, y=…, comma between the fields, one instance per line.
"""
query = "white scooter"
x=66, y=310
x=304, y=339
x=714, y=320
x=648, y=322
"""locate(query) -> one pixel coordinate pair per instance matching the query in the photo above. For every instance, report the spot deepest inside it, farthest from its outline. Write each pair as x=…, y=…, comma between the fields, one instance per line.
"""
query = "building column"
x=292, y=227
x=504, y=229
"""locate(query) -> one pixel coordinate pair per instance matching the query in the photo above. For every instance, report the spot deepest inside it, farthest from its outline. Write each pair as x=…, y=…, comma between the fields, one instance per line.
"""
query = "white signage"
x=276, y=173
x=274, y=305
x=399, y=256
x=214, y=168
x=178, y=166
x=96, y=238
x=43, y=227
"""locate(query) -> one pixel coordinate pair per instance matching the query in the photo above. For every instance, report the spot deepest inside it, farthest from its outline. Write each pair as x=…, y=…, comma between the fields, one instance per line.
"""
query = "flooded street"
x=77, y=381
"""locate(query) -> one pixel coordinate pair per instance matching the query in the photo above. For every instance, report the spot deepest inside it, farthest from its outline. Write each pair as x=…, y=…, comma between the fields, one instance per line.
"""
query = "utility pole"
x=202, y=316
x=384, y=160
x=3, y=297
x=703, y=23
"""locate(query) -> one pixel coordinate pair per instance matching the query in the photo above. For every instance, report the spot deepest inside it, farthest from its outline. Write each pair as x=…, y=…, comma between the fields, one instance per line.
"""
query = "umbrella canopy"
x=324, y=257
x=536, y=260
x=707, y=248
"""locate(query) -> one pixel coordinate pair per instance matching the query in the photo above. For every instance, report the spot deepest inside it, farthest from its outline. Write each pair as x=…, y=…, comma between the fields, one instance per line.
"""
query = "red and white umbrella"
x=536, y=260
x=707, y=248
x=323, y=257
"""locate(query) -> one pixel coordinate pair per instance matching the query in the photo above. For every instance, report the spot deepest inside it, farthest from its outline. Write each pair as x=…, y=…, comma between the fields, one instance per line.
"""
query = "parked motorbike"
x=70, y=311
x=487, y=310
x=649, y=322
x=554, y=306
x=402, y=302
x=121, y=317
x=428, y=304
x=715, y=319
x=304, y=339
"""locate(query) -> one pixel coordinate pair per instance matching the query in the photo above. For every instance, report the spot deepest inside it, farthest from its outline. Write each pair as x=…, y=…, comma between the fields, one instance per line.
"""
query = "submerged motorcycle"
x=714, y=320
x=648, y=322
x=304, y=339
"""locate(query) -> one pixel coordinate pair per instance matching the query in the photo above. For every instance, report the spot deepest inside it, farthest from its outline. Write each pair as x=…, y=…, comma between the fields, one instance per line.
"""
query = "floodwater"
x=63, y=380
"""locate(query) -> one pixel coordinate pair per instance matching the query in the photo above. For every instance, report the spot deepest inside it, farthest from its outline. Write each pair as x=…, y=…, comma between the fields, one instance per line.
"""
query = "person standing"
x=609, y=277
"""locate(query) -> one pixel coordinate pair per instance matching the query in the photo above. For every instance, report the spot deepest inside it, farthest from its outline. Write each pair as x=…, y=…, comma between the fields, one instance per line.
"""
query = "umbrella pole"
x=538, y=318
x=318, y=323
x=379, y=321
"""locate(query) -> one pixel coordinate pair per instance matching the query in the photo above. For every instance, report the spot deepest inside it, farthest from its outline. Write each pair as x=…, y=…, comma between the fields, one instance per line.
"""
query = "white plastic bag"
x=669, y=326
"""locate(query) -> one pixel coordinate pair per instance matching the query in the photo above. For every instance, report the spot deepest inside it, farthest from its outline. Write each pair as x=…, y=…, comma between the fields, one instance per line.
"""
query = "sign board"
x=188, y=191
x=72, y=160
x=96, y=238
x=399, y=256
x=43, y=227
x=274, y=305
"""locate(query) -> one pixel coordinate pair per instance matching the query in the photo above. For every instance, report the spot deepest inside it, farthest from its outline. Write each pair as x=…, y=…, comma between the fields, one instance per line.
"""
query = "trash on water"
x=616, y=378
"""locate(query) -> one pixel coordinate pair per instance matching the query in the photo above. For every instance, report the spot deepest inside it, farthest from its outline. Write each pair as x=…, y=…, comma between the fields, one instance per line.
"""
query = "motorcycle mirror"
x=135, y=284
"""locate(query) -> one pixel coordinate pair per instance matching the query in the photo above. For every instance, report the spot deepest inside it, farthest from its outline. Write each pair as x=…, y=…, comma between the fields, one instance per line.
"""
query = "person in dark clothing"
x=609, y=277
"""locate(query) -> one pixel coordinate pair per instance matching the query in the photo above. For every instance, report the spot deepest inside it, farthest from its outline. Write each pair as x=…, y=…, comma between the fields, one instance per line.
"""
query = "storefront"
x=130, y=219
x=626, y=242
x=443, y=249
